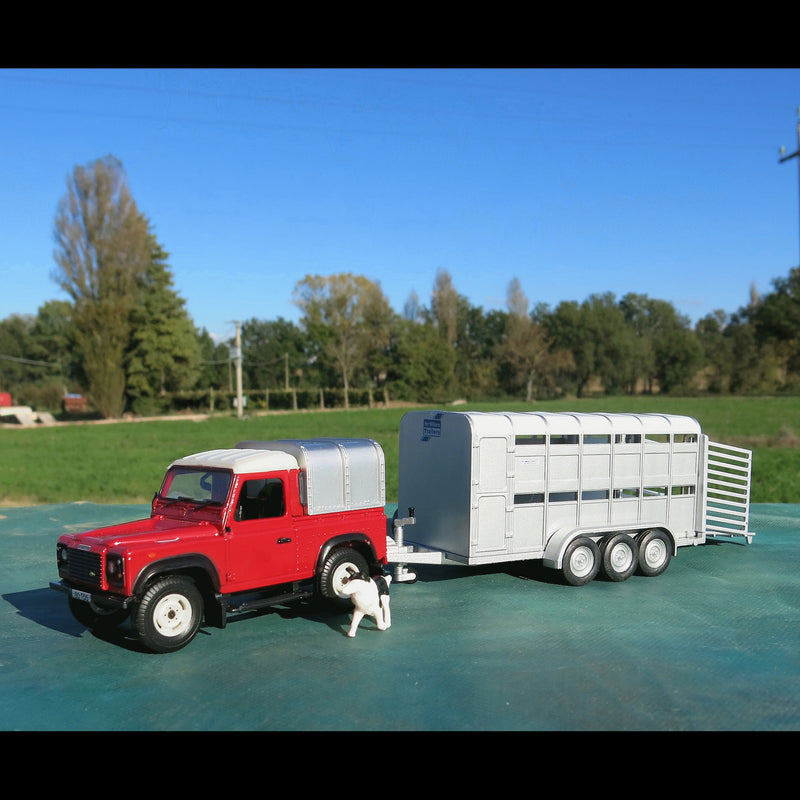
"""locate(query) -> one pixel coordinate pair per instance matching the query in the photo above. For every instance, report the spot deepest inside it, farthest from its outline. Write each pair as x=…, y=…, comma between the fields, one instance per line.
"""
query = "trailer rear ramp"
x=726, y=502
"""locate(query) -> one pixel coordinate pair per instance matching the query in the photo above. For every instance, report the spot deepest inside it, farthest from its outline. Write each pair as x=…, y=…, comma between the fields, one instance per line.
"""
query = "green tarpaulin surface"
x=713, y=644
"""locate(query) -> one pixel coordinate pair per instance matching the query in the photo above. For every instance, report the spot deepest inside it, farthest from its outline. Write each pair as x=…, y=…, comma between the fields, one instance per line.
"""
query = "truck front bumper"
x=100, y=601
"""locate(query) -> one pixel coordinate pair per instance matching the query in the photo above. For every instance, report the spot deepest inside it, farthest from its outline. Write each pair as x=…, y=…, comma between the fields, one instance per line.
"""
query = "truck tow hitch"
x=401, y=572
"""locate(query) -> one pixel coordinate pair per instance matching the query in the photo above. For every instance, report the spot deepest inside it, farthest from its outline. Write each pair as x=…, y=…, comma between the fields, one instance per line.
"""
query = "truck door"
x=262, y=548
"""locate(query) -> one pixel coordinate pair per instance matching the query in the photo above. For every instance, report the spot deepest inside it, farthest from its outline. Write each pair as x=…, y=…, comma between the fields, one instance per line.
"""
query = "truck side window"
x=261, y=498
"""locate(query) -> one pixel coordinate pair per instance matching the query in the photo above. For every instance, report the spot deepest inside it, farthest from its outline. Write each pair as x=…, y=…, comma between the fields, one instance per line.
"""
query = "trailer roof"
x=527, y=422
x=603, y=423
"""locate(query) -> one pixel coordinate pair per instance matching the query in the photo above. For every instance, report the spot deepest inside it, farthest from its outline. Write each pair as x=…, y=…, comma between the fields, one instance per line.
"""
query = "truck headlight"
x=114, y=569
x=61, y=555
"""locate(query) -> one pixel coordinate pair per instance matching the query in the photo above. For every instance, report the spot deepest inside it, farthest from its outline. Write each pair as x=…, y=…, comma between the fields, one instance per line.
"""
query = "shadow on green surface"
x=49, y=609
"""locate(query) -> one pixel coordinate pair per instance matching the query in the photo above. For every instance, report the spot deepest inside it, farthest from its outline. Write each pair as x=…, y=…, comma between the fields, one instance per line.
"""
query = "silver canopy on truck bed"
x=340, y=474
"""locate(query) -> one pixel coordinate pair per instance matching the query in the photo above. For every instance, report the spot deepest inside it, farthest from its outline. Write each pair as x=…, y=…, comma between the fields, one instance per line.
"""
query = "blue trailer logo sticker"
x=431, y=428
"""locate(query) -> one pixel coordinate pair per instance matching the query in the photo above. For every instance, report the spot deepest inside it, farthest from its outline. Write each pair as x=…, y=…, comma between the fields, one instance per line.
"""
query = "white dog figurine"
x=370, y=598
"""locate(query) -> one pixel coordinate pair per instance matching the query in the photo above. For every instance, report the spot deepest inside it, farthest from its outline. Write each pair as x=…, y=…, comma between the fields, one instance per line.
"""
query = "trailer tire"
x=620, y=556
x=169, y=614
x=334, y=569
x=581, y=561
x=655, y=552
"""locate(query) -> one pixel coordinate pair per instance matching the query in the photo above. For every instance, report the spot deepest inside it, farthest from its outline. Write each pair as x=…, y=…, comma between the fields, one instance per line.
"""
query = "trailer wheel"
x=169, y=614
x=655, y=552
x=581, y=561
x=335, y=570
x=620, y=556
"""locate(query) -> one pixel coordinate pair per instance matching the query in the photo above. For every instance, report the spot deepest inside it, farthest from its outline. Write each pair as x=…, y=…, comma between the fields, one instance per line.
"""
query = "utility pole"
x=796, y=153
x=236, y=357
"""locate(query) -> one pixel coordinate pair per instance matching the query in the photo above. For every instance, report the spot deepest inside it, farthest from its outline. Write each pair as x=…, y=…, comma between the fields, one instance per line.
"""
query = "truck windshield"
x=197, y=485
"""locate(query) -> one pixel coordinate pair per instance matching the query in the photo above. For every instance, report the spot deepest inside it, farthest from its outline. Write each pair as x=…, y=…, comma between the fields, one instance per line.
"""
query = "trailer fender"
x=558, y=542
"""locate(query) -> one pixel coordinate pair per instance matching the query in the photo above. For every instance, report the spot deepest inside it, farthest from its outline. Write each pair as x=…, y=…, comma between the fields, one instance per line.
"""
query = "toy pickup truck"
x=230, y=531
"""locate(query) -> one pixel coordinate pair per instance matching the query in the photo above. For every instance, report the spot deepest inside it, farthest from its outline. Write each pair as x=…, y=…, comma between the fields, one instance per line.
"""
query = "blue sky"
x=577, y=181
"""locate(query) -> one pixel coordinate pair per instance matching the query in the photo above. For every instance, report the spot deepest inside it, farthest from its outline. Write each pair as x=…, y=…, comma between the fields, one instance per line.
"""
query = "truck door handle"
x=284, y=540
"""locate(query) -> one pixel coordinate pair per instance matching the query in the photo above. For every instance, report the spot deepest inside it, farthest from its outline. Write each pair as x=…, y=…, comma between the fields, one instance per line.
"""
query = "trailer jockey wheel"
x=581, y=561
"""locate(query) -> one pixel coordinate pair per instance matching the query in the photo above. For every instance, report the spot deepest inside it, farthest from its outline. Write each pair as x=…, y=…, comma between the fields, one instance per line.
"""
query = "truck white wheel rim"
x=338, y=578
x=172, y=615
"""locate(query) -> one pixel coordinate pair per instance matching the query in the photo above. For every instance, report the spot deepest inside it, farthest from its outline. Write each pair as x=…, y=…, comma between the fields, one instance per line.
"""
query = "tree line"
x=125, y=339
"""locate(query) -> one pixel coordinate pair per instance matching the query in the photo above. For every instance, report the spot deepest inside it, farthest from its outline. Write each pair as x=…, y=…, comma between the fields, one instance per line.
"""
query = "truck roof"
x=240, y=460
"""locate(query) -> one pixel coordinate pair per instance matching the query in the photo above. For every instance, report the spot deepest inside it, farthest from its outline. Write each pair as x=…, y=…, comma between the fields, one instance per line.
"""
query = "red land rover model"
x=232, y=530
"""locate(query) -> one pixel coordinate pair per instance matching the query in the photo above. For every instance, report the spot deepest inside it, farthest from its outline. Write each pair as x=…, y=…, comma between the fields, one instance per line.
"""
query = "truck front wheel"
x=169, y=614
x=335, y=571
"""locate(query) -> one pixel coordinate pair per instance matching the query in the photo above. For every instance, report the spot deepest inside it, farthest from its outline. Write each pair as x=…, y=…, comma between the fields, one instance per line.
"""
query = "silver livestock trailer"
x=583, y=493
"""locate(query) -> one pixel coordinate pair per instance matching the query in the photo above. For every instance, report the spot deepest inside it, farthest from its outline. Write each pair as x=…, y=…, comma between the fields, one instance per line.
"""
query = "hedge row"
x=206, y=401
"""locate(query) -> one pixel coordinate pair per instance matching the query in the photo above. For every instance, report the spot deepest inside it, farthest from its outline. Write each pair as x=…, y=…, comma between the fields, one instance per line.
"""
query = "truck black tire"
x=169, y=614
x=335, y=570
x=655, y=552
x=96, y=619
x=581, y=561
x=620, y=556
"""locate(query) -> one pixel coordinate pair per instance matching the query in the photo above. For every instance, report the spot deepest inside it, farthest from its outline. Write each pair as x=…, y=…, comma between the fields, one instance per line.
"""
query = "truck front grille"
x=85, y=567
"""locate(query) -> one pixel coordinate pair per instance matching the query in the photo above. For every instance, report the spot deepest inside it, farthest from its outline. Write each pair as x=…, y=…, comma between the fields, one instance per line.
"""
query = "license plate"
x=77, y=594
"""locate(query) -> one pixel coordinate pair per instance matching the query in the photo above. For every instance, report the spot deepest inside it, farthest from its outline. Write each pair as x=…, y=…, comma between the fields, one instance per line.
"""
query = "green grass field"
x=124, y=462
